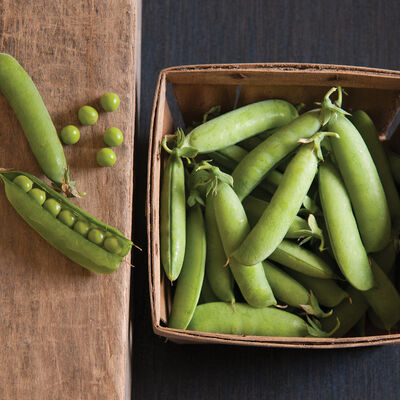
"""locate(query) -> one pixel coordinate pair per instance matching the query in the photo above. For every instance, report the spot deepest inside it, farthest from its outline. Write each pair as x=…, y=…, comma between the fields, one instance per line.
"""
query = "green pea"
x=70, y=134
x=82, y=227
x=38, y=195
x=23, y=182
x=106, y=157
x=96, y=236
x=113, y=137
x=67, y=218
x=112, y=245
x=109, y=101
x=52, y=206
x=87, y=115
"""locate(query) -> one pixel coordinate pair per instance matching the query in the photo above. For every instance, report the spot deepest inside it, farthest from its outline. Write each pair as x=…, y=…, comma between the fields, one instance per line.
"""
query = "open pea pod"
x=104, y=257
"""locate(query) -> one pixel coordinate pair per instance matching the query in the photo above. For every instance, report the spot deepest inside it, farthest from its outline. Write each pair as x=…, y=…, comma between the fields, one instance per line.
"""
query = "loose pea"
x=96, y=236
x=82, y=227
x=38, y=195
x=70, y=134
x=23, y=182
x=52, y=206
x=112, y=245
x=113, y=136
x=67, y=218
x=87, y=115
x=106, y=157
x=109, y=101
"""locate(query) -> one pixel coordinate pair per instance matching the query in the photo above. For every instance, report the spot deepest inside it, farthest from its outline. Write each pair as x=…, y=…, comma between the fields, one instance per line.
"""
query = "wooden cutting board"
x=63, y=329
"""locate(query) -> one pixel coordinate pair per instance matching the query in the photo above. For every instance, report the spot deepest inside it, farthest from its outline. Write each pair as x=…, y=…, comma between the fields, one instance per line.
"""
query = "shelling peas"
x=70, y=134
x=52, y=206
x=96, y=236
x=82, y=228
x=109, y=102
x=67, y=218
x=112, y=245
x=113, y=137
x=23, y=182
x=106, y=157
x=38, y=195
x=88, y=115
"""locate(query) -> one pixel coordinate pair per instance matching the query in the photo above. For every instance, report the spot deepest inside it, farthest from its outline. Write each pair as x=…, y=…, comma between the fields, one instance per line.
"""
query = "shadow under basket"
x=198, y=88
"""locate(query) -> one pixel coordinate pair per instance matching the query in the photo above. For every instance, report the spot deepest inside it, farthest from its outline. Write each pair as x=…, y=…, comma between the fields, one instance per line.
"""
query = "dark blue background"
x=177, y=32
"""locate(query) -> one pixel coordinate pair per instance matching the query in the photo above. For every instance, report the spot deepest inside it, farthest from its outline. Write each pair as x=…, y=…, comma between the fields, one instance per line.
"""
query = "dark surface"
x=180, y=32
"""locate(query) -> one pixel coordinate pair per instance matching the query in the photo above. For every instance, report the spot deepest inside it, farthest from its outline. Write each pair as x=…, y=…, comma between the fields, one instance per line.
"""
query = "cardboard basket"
x=196, y=90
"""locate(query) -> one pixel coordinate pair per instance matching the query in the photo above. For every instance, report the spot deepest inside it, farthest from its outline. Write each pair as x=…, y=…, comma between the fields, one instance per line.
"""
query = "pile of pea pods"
x=275, y=222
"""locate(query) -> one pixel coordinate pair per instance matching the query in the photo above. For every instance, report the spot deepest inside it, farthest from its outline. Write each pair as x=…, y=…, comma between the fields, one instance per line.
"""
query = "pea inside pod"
x=60, y=234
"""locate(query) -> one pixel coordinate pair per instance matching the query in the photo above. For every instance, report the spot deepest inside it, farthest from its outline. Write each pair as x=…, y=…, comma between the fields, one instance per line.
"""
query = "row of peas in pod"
x=75, y=233
x=277, y=222
x=88, y=115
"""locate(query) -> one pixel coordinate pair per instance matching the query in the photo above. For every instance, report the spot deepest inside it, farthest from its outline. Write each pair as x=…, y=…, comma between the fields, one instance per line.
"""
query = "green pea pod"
x=66, y=240
x=246, y=320
x=292, y=256
x=275, y=221
x=384, y=299
x=366, y=127
x=253, y=168
x=327, y=291
x=255, y=207
x=386, y=258
x=233, y=227
x=342, y=228
x=362, y=183
x=191, y=278
x=237, y=125
x=173, y=217
x=291, y=292
x=24, y=98
x=348, y=312
x=219, y=275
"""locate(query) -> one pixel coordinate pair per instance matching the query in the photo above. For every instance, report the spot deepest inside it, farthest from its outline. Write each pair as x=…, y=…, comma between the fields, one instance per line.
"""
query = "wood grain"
x=64, y=330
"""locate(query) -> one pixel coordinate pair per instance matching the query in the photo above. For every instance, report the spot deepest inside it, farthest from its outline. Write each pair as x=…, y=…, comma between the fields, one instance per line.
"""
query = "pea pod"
x=291, y=292
x=24, y=98
x=239, y=124
x=253, y=168
x=386, y=258
x=275, y=221
x=327, y=291
x=191, y=278
x=366, y=127
x=362, y=183
x=66, y=240
x=384, y=299
x=245, y=320
x=233, y=227
x=219, y=275
x=394, y=163
x=255, y=207
x=207, y=295
x=342, y=228
x=348, y=312
x=173, y=217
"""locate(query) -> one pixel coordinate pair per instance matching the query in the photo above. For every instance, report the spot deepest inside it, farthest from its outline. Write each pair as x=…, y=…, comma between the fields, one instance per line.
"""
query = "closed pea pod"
x=342, y=228
x=233, y=227
x=239, y=124
x=291, y=292
x=219, y=276
x=386, y=258
x=24, y=98
x=245, y=320
x=59, y=235
x=362, y=183
x=207, y=295
x=394, y=163
x=253, y=168
x=190, y=280
x=366, y=128
x=275, y=221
